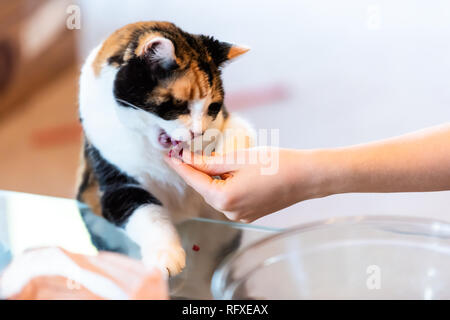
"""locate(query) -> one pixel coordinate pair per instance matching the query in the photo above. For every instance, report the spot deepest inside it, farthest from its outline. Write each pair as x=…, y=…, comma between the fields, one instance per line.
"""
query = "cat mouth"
x=167, y=141
x=176, y=147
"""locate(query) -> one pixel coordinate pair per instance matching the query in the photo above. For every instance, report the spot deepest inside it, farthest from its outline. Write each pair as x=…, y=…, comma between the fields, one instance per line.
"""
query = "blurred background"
x=324, y=73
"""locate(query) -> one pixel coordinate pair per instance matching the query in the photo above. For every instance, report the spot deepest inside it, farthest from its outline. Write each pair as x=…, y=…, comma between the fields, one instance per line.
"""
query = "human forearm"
x=418, y=161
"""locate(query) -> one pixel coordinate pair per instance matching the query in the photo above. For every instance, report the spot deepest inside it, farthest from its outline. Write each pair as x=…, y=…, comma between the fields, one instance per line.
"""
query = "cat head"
x=168, y=77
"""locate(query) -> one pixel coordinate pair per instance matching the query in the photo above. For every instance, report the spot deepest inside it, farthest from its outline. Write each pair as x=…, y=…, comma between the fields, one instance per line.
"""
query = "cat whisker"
x=127, y=103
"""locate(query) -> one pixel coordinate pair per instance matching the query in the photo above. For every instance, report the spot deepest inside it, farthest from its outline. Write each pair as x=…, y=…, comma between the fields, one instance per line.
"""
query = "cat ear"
x=160, y=52
x=222, y=51
x=235, y=51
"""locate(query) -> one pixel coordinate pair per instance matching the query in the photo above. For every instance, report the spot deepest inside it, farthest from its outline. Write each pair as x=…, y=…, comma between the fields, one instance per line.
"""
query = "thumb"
x=212, y=165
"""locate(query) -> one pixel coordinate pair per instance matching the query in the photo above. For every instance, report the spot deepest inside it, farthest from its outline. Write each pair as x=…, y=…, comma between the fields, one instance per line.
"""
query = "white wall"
x=355, y=71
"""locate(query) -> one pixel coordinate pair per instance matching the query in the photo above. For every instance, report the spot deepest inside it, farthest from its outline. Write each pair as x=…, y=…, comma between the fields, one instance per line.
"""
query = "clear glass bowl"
x=346, y=258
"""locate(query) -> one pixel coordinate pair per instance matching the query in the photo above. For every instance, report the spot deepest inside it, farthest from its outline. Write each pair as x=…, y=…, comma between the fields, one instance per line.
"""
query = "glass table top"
x=30, y=221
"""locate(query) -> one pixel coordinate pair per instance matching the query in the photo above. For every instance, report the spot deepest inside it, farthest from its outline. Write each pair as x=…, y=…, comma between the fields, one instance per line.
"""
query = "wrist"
x=324, y=172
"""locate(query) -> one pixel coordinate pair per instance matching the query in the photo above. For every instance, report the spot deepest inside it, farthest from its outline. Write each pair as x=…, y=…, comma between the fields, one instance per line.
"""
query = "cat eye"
x=214, y=108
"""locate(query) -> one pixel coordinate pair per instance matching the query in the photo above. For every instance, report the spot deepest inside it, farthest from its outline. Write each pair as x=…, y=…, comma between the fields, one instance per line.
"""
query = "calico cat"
x=148, y=88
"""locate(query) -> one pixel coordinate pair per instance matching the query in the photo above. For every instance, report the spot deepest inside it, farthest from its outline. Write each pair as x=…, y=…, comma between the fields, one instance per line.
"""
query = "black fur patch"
x=134, y=83
x=121, y=194
x=206, y=68
x=218, y=50
x=119, y=203
x=214, y=109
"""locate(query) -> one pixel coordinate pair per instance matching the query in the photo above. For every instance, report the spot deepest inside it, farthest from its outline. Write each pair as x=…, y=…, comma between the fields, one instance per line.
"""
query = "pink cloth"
x=54, y=273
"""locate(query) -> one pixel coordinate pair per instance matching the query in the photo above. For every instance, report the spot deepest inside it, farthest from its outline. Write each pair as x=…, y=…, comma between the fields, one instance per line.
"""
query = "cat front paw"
x=170, y=258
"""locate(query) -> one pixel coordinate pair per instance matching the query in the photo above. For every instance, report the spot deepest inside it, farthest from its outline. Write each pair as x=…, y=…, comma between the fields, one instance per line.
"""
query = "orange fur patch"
x=120, y=40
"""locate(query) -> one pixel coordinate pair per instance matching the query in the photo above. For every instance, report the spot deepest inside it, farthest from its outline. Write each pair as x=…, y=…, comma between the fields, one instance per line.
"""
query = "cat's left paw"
x=169, y=258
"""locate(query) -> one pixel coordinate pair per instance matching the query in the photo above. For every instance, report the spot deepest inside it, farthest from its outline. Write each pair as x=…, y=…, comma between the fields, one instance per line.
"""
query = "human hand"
x=254, y=182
